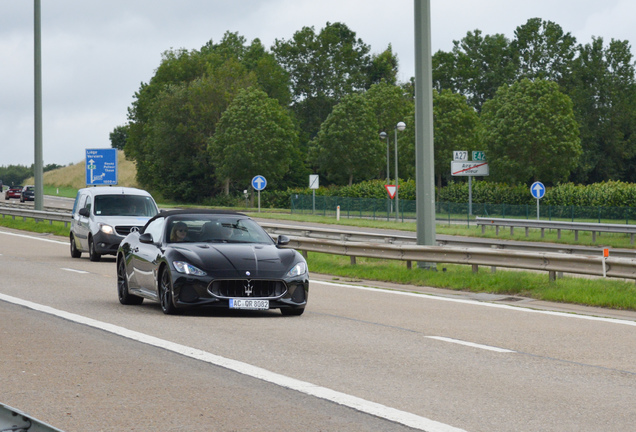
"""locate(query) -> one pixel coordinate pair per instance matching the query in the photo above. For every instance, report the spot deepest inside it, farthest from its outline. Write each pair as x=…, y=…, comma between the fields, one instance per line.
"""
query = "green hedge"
x=606, y=194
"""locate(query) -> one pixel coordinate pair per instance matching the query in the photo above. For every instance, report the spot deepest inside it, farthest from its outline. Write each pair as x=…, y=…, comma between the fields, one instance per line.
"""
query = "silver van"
x=103, y=216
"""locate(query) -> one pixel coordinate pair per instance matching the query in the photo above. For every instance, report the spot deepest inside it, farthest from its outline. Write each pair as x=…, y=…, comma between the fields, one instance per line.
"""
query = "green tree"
x=118, y=137
x=254, y=136
x=541, y=49
x=173, y=116
x=530, y=133
x=347, y=147
x=383, y=68
x=603, y=90
x=456, y=126
x=323, y=68
x=477, y=66
x=390, y=106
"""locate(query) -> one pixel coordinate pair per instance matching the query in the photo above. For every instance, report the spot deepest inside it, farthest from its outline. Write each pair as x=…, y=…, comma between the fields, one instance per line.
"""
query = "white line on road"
x=33, y=237
x=470, y=344
x=365, y=406
x=75, y=271
x=484, y=304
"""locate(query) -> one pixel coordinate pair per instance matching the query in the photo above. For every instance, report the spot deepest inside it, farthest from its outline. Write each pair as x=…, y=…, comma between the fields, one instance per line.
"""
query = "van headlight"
x=106, y=229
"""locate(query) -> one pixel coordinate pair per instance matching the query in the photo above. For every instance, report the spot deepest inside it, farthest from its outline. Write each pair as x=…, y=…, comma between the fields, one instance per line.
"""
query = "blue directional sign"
x=101, y=166
x=259, y=183
x=537, y=190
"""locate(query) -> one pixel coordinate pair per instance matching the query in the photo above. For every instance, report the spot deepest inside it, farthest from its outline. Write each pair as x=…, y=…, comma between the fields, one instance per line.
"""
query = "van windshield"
x=124, y=205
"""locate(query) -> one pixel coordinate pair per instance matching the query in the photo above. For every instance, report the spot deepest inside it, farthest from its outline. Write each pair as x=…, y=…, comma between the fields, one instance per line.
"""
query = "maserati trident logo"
x=249, y=288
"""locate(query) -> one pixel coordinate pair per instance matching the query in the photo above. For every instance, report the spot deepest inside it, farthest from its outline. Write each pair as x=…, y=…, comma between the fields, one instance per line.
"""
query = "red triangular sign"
x=391, y=190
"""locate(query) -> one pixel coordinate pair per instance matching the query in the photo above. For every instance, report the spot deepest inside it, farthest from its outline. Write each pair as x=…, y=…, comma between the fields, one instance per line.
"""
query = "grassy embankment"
x=609, y=293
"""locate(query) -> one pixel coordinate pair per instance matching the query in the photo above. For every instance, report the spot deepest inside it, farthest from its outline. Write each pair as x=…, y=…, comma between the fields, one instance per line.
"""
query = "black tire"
x=92, y=255
x=125, y=297
x=292, y=311
x=165, y=293
x=75, y=253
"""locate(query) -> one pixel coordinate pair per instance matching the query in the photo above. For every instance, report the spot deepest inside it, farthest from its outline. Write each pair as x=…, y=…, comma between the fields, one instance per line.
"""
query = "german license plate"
x=249, y=304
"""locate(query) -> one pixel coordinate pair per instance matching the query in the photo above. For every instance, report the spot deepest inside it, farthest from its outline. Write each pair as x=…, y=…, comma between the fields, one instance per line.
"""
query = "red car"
x=13, y=192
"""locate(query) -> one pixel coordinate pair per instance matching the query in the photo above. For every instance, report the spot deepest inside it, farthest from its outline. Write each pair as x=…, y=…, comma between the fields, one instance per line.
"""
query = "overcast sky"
x=95, y=54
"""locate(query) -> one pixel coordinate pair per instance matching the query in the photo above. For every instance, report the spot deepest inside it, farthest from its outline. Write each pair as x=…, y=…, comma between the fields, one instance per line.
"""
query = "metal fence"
x=383, y=209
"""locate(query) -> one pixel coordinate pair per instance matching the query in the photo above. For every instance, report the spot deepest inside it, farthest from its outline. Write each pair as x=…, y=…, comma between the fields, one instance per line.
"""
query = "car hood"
x=232, y=260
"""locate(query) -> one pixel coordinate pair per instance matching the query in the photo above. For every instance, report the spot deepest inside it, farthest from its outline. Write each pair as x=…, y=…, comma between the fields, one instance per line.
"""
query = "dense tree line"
x=15, y=175
x=541, y=106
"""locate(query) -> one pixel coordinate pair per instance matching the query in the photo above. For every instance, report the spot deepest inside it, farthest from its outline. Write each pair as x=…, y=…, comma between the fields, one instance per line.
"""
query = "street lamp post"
x=399, y=127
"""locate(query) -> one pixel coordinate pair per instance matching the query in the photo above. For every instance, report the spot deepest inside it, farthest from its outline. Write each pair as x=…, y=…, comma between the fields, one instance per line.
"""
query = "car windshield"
x=124, y=205
x=215, y=229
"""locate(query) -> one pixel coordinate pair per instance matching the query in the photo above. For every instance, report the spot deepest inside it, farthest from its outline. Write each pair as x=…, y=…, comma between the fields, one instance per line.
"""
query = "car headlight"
x=187, y=268
x=298, y=270
x=106, y=229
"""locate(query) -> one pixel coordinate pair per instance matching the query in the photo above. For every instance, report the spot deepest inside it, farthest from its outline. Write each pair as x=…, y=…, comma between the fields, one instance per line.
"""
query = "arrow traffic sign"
x=537, y=190
x=259, y=183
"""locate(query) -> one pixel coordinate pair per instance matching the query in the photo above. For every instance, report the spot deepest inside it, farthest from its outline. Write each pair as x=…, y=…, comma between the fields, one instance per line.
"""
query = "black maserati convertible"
x=187, y=258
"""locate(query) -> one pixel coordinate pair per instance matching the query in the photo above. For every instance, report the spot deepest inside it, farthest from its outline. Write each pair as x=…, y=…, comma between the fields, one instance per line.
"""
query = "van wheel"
x=75, y=253
x=92, y=255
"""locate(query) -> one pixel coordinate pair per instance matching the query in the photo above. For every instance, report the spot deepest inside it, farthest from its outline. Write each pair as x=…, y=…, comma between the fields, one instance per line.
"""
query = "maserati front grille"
x=253, y=288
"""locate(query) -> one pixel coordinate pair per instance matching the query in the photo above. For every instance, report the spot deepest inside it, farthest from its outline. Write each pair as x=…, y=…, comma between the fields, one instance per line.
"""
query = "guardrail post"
x=512, y=231
x=576, y=235
x=408, y=265
x=552, y=275
x=353, y=260
x=542, y=232
x=559, y=234
x=475, y=268
x=593, y=236
x=527, y=231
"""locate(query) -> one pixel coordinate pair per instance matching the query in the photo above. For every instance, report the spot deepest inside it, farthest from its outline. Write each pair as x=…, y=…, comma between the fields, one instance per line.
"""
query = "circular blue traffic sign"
x=537, y=190
x=259, y=182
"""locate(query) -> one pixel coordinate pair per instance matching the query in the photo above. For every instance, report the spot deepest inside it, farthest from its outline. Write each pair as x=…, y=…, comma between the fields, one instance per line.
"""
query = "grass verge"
x=607, y=293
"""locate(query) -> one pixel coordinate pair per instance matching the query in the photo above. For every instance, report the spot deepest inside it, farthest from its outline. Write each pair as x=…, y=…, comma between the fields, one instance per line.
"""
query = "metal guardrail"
x=556, y=225
x=441, y=239
x=38, y=215
x=455, y=250
x=553, y=263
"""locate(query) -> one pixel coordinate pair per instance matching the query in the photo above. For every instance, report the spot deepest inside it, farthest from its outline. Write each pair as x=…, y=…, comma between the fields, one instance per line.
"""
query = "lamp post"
x=384, y=135
x=399, y=127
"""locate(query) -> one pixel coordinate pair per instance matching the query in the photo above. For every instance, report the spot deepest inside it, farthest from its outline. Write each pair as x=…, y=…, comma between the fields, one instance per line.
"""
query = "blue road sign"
x=101, y=167
x=259, y=183
x=537, y=190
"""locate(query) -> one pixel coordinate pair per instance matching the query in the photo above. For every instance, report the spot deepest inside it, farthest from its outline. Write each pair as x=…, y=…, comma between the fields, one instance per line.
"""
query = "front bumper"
x=196, y=292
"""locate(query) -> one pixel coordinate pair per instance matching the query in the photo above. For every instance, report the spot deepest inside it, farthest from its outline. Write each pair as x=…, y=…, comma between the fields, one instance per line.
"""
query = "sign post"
x=101, y=167
x=538, y=191
x=314, y=183
x=259, y=183
x=460, y=166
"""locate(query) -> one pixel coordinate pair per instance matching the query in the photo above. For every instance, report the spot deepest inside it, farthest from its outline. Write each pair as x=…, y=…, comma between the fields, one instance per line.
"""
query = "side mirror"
x=84, y=212
x=146, y=238
x=282, y=240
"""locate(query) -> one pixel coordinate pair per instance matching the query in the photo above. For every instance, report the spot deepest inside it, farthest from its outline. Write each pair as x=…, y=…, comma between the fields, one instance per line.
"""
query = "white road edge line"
x=471, y=344
x=33, y=237
x=365, y=406
x=481, y=303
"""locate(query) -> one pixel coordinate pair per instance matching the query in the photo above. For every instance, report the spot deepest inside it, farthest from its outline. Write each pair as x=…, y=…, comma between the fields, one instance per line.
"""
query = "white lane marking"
x=75, y=271
x=484, y=304
x=34, y=238
x=368, y=407
x=470, y=344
